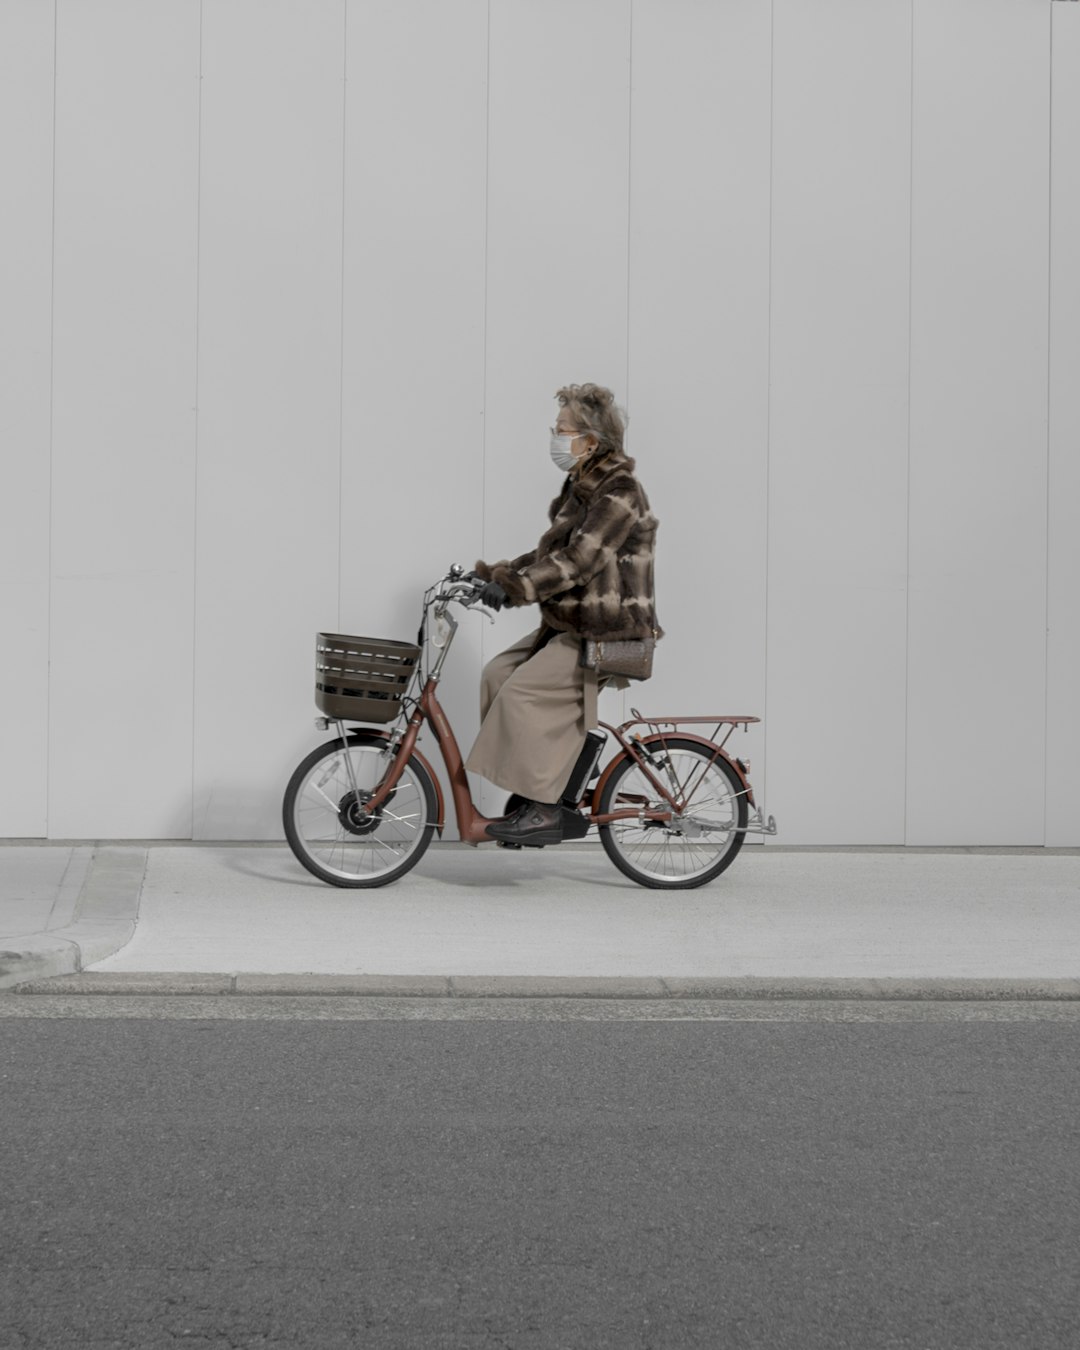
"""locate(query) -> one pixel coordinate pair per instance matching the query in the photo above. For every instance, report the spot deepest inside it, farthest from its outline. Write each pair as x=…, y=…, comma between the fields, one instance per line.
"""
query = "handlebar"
x=465, y=592
x=458, y=586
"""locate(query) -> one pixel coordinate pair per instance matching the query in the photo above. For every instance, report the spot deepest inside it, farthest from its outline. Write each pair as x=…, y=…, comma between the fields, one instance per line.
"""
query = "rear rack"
x=716, y=721
x=758, y=823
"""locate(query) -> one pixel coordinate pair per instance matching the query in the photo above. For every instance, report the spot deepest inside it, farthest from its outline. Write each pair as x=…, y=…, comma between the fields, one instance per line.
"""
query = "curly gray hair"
x=594, y=410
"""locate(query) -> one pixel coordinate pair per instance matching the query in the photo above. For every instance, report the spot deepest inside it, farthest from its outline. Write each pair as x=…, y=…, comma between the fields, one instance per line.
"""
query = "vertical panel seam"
x=52, y=372
x=907, y=508
x=341, y=331
x=623, y=698
x=768, y=400
x=1049, y=394
x=195, y=467
x=629, y=184
x=484, y=316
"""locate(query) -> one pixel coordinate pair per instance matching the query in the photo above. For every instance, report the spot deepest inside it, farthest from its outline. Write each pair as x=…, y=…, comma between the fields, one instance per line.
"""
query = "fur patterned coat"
x=592, y=571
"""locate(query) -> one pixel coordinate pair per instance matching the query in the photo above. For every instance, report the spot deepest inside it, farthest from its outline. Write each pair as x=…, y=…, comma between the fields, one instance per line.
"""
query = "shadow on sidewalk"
x=453, y=864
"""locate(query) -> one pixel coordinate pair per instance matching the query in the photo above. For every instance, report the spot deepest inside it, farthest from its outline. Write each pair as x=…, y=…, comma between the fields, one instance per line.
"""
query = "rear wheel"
x=330, y=833
x=691, y=848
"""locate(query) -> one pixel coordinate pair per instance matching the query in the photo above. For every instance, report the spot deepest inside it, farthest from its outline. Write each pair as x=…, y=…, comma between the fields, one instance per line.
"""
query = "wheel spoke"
x=329, y=801
x=690, y=848
x=349, y=846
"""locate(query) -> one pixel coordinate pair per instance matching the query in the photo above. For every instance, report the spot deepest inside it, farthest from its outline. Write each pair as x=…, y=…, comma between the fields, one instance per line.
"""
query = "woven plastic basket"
x=360, y=679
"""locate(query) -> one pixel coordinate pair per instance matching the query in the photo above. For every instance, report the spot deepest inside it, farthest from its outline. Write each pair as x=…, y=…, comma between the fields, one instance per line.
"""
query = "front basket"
x=360, y=679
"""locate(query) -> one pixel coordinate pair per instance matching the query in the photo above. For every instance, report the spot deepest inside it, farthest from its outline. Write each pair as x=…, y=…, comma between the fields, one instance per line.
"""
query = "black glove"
x=492, y=595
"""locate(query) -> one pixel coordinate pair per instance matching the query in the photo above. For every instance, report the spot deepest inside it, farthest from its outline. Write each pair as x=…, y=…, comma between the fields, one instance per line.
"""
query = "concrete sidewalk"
x=895, y=923
x=65, y=906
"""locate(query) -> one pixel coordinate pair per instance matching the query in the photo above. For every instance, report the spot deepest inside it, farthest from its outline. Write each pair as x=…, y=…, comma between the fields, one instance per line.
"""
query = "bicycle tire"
x=629, y=844
x=415, y=783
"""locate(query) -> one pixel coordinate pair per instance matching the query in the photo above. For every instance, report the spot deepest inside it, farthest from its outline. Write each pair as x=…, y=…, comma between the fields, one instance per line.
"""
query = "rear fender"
x=658, y=740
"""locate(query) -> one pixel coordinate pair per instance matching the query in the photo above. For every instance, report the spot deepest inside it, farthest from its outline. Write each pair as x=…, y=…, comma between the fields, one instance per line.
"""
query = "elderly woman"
x=592, y=576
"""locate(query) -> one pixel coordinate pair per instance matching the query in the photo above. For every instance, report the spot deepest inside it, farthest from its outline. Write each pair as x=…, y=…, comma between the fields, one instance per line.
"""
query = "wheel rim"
x=688, y=846
x=335, y=835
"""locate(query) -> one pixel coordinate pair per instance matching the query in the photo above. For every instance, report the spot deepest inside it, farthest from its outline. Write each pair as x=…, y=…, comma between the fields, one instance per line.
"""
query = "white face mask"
x=561, y=454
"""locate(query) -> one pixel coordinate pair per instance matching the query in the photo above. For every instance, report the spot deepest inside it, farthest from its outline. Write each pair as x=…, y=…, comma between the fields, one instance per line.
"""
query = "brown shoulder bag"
x=629, y=657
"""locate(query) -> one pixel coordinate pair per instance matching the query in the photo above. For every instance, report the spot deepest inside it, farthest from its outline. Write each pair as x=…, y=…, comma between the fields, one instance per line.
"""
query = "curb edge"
x=475, y=987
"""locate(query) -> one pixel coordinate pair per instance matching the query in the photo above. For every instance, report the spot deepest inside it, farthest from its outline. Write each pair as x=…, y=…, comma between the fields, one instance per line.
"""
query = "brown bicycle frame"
x=472, y=826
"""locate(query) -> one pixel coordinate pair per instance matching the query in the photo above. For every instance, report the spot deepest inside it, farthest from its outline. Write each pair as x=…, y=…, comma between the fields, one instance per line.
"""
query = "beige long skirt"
x=534, y=713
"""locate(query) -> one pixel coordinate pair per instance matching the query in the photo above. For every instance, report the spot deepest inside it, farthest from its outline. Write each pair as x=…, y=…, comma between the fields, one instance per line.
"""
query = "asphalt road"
x=474, y=1184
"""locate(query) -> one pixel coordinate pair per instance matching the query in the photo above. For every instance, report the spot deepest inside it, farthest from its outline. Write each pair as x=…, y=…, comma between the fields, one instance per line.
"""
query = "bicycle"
x=672, y=807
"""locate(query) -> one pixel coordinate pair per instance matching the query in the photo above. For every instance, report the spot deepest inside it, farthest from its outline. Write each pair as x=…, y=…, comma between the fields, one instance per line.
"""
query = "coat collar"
x=597, y=470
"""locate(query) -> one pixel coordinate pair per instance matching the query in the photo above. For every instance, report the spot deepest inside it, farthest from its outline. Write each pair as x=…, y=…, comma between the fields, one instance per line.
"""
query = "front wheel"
x=329, y=833
x=691, y=848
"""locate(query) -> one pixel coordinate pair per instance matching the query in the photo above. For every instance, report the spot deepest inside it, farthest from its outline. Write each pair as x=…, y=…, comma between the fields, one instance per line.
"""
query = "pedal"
x=505, y=843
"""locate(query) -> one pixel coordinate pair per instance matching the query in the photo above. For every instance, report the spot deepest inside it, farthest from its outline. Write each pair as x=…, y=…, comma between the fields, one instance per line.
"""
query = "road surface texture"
x=536, y=1183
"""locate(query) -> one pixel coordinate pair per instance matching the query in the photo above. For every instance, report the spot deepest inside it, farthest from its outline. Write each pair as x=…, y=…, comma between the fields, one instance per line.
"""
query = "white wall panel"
x=980, y=230
x=26, y=136
x=699, y=313
x=362, y=260
x=412, y=461
x=1063, y=617
x=558, y=166
x=838, y=424
x=123, y=420
x=269, y=396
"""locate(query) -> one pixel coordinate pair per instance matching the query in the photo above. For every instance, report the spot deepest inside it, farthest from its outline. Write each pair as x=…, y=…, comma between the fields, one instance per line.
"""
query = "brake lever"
x=474, y=605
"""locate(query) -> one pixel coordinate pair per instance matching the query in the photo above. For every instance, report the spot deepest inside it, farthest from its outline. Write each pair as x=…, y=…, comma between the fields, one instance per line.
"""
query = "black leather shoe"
x=532, y=825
